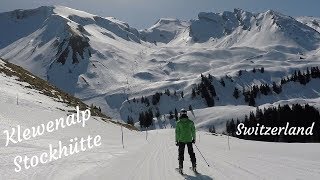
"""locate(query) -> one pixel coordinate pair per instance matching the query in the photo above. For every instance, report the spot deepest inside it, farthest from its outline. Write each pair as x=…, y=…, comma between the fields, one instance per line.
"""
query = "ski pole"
x=202, y=155
x=196, y=120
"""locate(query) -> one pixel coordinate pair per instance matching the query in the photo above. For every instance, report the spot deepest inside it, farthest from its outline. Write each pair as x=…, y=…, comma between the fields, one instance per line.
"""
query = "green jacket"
x=185, y=130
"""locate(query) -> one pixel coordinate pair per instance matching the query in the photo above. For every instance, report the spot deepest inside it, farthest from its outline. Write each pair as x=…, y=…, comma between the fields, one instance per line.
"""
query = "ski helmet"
x=183, y=112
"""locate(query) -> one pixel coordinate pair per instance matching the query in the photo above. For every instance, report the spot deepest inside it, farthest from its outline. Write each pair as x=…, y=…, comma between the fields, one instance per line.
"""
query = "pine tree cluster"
x=251, y=94
x=130, y=121
x=146, y=118
x=265, y=89
x=302, y=77
x=155, y=99
x=236, y=93
x=254, y=70
x=94, y=109
x=146, y=101
x=297, y=115
x=212, y=129
x=205, y=89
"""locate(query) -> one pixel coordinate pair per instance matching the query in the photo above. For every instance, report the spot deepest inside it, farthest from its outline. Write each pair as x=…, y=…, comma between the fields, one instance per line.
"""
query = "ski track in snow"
x=157, y=160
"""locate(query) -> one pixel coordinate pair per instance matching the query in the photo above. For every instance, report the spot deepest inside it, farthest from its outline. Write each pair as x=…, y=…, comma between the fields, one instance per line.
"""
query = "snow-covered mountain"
x=105, y=62
x=22, y=88
x=313, y=22
x=240, y=28
x=164, y=30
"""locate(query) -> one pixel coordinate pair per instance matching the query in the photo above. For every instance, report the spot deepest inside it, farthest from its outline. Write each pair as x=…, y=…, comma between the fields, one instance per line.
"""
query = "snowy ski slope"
x=141, y=159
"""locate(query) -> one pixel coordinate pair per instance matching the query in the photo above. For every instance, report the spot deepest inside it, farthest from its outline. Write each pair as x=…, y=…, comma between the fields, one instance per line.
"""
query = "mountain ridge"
x=106, y=62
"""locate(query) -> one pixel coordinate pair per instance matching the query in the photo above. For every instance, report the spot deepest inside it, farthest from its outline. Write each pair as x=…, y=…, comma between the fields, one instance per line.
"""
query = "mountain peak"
x=162, y=21
x=67, y=12
x=164, y=30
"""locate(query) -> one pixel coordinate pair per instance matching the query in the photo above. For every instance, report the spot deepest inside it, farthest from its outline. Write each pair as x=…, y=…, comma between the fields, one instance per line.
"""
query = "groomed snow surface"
x=156, y=158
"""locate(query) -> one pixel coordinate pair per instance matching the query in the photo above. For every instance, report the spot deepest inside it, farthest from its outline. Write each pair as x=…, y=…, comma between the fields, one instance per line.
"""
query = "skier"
x=185, y=135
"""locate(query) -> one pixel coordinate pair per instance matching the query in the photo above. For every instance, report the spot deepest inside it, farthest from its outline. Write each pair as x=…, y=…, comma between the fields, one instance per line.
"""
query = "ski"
x=181, y=173
x=197, y=174
x=194, y=170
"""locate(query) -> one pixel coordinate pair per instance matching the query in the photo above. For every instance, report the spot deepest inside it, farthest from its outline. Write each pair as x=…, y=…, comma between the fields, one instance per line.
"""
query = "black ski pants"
x=190, y=151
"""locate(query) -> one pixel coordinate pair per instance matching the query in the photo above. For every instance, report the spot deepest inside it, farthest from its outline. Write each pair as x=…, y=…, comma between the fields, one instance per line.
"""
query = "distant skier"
x=185, y=135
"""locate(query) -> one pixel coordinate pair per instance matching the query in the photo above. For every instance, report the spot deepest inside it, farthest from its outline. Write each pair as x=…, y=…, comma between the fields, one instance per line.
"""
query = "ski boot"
x=180, y=169
x=194, y=169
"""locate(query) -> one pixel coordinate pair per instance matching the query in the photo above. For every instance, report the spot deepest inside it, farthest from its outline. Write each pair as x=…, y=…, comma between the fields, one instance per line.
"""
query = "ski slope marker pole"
x=122, y=137
x=147, y=133
x=195, y=119
x=228, y=142
x=202, y=155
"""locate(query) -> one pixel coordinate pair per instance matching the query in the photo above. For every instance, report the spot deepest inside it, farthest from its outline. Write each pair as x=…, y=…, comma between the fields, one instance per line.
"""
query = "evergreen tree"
x=236, y=93
x=167, y=92
x=308, y=76
x=148, y=118
x=157, y=112
x=130, y=121
x=277, y=89
x=142, y=120
x=302, y=78
x=146, y=101
x=176, y=114
x=212, y=129
x=156, y=98
x=222, y=82
x=252, y=102
x=254, y=70
x=193, y=95
x=171, y=115
x=297, y=115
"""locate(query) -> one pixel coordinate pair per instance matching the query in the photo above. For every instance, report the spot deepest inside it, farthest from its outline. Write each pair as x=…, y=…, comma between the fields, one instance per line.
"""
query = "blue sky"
x=143, y=13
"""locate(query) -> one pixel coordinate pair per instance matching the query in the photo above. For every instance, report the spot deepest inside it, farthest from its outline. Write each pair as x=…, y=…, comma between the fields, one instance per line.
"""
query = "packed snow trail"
x=157, y=160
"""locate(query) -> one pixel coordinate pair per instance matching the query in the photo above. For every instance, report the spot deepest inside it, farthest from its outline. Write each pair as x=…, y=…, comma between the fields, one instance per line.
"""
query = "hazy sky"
x=144, y=13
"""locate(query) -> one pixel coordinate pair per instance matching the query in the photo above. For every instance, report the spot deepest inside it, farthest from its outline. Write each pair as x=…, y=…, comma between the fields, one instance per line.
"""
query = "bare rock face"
x=77, y=44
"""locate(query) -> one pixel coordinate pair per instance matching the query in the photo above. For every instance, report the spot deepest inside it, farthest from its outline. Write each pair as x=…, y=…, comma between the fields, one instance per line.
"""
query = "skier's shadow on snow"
x=197, y=177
